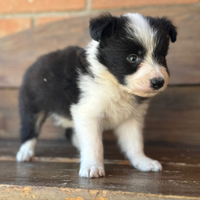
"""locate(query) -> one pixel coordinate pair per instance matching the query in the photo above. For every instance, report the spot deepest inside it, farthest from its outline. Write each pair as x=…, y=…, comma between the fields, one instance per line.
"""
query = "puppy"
x=106, y=85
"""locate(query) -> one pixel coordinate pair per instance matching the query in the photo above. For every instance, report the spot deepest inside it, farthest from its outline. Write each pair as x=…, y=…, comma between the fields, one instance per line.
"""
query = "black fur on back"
x=50, y=85
x=51, y=82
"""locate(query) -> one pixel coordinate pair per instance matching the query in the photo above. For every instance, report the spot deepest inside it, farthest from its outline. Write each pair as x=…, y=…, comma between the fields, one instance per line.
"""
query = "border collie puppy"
x=106, y=85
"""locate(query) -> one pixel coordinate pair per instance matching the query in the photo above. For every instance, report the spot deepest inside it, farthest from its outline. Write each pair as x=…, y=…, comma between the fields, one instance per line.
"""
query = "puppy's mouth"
x=147, y=92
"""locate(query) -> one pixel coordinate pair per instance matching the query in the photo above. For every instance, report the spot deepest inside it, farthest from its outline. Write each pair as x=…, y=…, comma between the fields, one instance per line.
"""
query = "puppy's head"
x=133, y=48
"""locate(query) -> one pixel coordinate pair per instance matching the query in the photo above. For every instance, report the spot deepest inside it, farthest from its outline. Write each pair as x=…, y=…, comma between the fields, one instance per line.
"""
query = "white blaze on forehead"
x=140, y=28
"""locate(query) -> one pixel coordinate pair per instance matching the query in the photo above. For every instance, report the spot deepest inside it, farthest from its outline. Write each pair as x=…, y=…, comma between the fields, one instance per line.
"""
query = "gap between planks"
x=77, y=160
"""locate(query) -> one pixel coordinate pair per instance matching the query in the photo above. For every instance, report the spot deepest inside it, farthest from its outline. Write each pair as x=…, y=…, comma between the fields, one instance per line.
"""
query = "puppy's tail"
x=72, y=137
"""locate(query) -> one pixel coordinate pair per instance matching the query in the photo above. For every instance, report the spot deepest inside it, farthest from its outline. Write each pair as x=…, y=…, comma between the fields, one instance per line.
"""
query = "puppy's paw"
x=26, y=151
x=92, y=171
x=147, y=164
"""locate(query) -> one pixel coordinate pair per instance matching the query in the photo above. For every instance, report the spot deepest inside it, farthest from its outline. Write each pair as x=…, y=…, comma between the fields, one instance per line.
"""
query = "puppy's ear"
x=170, y=28
x=103, y=27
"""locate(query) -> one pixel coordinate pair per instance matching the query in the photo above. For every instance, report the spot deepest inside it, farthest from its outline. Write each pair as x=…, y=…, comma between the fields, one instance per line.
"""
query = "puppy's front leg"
x=131, y=141
x=89, y=135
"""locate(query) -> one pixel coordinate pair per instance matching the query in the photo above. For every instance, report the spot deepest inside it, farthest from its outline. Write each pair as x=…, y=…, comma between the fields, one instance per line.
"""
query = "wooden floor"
x=53, y=174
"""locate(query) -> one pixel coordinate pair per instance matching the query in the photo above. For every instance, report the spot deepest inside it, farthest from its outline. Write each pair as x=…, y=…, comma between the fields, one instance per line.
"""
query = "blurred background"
x=18, y=15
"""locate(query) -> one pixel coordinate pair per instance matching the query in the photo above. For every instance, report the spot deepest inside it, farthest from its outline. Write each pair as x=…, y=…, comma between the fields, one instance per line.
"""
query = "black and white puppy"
x=106, y=85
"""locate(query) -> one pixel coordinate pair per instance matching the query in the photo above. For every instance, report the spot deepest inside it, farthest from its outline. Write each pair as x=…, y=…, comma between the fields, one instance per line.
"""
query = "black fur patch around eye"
x=114, y=54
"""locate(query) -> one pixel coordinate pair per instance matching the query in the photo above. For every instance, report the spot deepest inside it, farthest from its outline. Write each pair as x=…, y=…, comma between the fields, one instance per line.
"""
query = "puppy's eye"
x=132, y=58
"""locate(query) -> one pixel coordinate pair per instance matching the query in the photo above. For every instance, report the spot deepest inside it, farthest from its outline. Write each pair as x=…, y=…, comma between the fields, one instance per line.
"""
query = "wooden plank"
x=182, y=181
x=51, y=193
x=17, y=52
x=54, y=174
x=173, y=117
x=61, y=151
x=9, y=118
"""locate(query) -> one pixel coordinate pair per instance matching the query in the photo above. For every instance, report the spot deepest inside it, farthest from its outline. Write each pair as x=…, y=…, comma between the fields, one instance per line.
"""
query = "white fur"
x=96, y=67
x=27, y=150
x=61, y=121
x=39, y=119
x=131, y=141
x=102, y=106
x=142, y=30
x=139, y=82
x=89, y=134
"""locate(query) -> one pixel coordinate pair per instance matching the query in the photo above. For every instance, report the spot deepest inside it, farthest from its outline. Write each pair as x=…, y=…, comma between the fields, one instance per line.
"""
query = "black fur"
x=103, y=27
x=164, y=26
x=164, y=29
x=68, y=134
x=50, y=85
x=114, y=41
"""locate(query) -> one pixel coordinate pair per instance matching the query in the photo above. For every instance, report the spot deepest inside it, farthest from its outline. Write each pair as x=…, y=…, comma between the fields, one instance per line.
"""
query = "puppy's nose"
x=157, y=83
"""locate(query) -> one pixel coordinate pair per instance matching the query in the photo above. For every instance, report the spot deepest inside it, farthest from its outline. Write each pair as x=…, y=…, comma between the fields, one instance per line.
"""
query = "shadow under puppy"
x=106, y=85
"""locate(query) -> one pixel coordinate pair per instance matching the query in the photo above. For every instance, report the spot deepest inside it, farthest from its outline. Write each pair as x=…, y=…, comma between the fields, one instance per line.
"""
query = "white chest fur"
x=120, y=110
x=107, y=102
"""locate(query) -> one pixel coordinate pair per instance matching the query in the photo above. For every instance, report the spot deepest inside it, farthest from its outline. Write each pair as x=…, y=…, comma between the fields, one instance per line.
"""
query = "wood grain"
x=51, y=193
x=173, y=117
x=17, y=52
x=173, y=180
x=179, y=178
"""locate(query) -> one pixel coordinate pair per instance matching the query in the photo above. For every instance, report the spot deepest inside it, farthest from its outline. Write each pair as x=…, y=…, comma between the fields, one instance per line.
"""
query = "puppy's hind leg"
x=31, y=123
x=72, y=137
x=68, y=133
